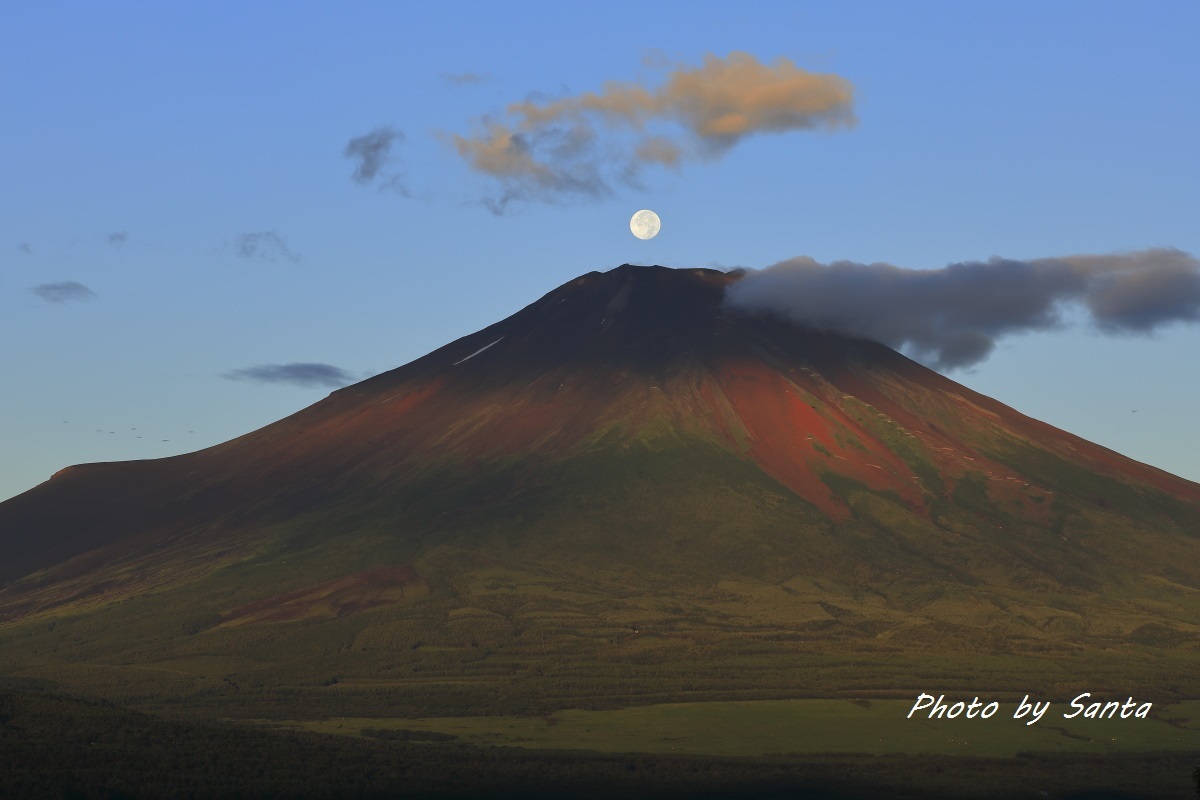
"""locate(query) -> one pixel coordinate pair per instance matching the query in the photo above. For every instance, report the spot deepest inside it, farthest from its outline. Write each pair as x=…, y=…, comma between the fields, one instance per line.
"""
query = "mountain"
x=624, y=492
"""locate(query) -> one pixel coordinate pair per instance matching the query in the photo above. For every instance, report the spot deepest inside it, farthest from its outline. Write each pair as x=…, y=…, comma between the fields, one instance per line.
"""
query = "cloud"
x=951, y=317
x=23, y=247
x=373, y=151
x=264, y=245
x=549, y=149
x=463, y=78
x=63, y=292
x=118, y=238
x=297, y=374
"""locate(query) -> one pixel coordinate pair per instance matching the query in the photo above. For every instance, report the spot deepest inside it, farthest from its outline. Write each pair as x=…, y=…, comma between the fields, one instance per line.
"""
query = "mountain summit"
x=625, y=471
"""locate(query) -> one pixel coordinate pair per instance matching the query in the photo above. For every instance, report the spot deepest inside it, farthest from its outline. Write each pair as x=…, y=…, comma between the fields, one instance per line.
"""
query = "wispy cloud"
x=63, y=292
x=296, y=374
x=264, y=246
x=464, y=78
x=576, y=146
x=951, y=317
x=373, y=152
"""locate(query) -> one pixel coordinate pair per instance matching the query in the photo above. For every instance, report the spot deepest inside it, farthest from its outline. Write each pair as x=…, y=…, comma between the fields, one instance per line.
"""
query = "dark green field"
x=55, y=747
x=774, y=727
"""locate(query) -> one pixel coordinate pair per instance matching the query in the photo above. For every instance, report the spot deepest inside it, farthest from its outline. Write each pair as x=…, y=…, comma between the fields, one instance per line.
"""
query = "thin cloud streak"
x=549, y=150
x=952, y=317
x=464, y=78
x=263, y=246
x=63, y=292
x=295, y=374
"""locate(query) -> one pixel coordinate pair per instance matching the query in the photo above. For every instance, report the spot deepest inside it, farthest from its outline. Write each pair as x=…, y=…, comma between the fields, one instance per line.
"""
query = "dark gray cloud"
x=551, y=149
x=118, y=238
x=63, y=292
x=23, y=247
x=463, y=78
x=951, y=317
x=373, y=151
x=296, y=374
x=264, y=246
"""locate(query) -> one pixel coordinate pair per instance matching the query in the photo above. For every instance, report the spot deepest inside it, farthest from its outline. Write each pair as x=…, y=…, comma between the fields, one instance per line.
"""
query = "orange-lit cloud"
x=576, y=145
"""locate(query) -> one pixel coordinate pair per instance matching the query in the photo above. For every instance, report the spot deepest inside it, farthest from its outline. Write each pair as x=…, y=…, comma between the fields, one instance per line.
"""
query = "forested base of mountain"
x=56, y=746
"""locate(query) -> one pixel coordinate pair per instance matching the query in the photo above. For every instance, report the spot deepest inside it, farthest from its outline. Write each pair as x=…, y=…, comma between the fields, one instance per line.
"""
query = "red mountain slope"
x=629, y=350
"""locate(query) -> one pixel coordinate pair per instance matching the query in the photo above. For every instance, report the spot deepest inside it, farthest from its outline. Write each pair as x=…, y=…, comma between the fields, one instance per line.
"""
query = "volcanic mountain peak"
x=629, y=317
x=590, y=392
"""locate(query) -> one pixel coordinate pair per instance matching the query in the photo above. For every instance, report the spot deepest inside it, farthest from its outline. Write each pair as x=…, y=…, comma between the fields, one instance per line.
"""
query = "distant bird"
x=1134, y=411
x=139, y=437
x=166, y=440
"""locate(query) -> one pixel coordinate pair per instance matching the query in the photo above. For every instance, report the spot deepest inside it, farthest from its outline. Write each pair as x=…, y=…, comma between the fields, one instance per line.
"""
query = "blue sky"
x=143, y=142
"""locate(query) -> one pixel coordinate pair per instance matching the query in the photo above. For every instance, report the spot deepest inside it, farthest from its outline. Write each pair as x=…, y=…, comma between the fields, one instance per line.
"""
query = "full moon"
x=645, y=224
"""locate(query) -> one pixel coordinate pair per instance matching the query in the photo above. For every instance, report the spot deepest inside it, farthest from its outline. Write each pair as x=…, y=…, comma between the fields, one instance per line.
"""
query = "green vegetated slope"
x=647, y=568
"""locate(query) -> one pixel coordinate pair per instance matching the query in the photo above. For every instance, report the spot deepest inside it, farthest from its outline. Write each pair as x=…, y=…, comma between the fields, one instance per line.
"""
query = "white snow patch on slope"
x=477, y=352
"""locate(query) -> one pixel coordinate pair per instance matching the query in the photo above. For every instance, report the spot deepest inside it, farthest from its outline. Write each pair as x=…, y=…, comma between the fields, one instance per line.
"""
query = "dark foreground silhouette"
x=55, y=746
